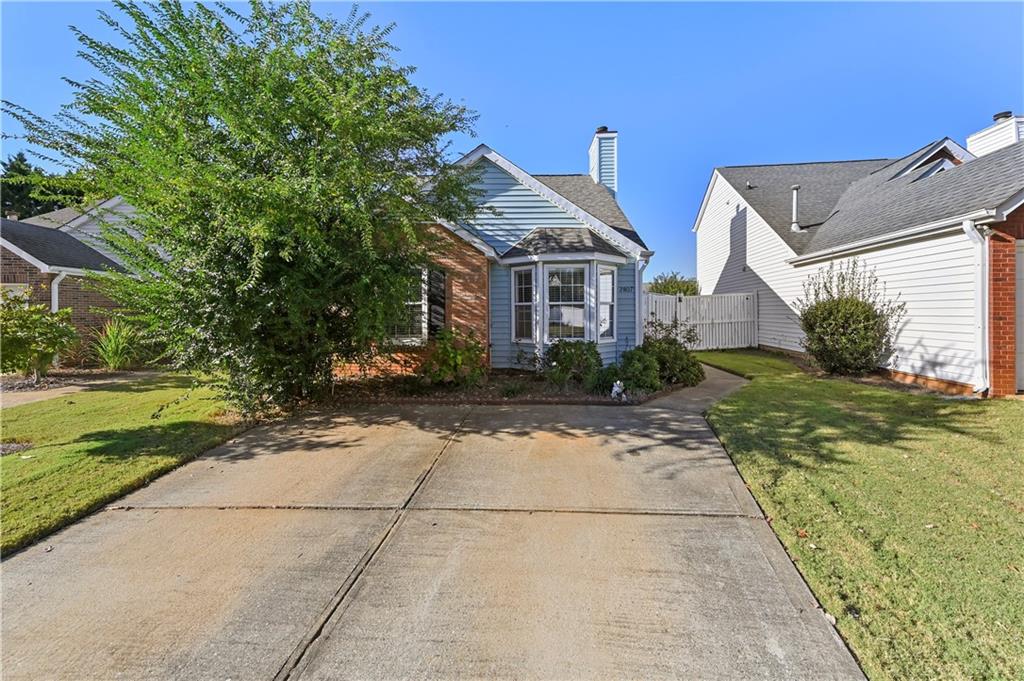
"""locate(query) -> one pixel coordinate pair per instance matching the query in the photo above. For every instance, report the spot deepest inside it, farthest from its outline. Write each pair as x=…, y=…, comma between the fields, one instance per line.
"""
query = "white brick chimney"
x=604, y=158
x=1006, y=130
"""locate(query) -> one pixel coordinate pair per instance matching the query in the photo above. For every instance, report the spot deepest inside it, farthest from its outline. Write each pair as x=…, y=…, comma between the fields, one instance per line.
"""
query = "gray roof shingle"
x=594, y=198
x=843, y=202
x=55, y=218
x=54, y=247
x=821, y=184
x=547, y=240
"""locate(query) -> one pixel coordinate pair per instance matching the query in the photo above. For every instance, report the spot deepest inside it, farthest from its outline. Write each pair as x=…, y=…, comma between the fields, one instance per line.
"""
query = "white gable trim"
x=472, y=239
x=707, y=197
x=949, y=145
x=24, y=255
x=541, y=189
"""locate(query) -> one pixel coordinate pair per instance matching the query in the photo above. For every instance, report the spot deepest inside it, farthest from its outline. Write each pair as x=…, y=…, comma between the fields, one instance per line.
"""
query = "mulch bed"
x=56, y=378
x=500, y=388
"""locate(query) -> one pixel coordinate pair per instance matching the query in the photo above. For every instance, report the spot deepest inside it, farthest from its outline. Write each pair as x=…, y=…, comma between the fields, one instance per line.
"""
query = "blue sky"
x=688, y=86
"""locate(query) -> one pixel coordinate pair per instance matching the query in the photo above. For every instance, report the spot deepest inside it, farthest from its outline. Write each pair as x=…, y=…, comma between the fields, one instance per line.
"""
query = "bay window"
x=566, y=302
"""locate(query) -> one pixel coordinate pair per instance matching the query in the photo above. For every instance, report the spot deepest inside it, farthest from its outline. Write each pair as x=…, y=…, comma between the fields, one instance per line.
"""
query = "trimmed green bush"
x=670, y=345
x=31, y=335
x=849, y=324
x=455, y=359
x=571, y=362
x=603, y=379
x=638, y=371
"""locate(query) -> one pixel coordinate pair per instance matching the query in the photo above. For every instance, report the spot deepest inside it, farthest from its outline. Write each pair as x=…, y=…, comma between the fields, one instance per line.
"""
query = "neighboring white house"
x=941, y=227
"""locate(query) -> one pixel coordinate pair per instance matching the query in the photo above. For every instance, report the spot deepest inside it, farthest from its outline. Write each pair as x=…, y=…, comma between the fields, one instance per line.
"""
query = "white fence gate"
x=723, y=320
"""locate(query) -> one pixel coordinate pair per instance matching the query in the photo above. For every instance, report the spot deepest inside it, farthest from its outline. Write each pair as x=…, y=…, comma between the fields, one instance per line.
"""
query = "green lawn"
x=94, y=446
x=904, y=512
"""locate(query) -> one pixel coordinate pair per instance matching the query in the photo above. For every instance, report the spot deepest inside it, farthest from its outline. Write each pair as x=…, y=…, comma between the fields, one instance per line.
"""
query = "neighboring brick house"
x=53, y=264
x=942, y=227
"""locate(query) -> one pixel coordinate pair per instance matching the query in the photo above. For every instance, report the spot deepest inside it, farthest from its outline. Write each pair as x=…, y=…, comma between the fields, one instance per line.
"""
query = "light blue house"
x=562, y=261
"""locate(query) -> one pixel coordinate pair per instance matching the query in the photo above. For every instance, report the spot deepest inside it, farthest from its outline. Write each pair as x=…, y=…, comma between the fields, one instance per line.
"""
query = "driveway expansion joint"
x=304, y=651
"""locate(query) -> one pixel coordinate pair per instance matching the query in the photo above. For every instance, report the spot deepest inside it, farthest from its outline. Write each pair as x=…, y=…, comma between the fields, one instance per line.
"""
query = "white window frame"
x=517, y=304
x=587, y=297
x=424, y=326
x=613, y=304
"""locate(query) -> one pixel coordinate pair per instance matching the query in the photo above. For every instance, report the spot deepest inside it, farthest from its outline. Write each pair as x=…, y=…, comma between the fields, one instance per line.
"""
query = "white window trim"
x=533, y=305
x=588, y=333
x=424, y=325
x=614, y=304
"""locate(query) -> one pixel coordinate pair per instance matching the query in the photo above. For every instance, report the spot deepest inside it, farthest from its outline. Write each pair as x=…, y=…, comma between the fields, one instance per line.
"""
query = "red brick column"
x=1003, y=304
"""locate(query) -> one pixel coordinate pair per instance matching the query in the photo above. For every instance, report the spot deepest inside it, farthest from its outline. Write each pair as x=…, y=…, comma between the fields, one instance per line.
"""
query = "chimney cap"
x=1001, y=115
x=603, y=129
x=795, y=187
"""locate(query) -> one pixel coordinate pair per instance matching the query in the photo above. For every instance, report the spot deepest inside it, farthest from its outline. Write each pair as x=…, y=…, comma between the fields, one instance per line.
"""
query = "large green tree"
x=27, y=190
x=281, y=164
x=673, y=283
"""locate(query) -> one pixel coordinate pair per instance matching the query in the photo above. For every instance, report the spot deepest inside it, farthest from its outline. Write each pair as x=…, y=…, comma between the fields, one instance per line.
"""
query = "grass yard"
x=91, y=447
x=904, y=512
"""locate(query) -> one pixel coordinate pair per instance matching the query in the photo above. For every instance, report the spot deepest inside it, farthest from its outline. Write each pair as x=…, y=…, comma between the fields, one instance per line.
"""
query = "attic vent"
x=795, y=225
x=749, y=185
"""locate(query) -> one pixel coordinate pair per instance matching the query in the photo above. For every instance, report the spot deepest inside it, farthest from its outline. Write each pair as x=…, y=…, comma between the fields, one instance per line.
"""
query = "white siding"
x=997, y=136
x=737, y=252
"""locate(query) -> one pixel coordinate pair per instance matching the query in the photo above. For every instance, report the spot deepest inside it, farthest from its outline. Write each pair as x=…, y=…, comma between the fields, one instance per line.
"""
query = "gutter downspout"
x=980, y=238
x=641, y=299
x=55, y=291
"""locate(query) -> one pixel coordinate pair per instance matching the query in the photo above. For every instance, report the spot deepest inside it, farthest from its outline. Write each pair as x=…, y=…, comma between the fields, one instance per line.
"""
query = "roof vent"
x=1001, y=115
x=795, y=225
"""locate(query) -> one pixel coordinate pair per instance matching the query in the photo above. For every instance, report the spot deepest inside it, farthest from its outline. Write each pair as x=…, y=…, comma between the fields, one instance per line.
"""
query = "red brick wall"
x=466, y=298
x=74, y=292
x=1003, y=304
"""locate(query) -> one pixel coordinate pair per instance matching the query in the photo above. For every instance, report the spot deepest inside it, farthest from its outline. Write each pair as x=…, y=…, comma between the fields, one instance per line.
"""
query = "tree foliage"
x=280, y=163
x=674, y=284
x=30, y=335
x=849, y=322
x=29, y=190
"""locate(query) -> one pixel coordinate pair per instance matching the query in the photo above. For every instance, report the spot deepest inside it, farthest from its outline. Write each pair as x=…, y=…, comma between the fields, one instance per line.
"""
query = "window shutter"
x=436, y=303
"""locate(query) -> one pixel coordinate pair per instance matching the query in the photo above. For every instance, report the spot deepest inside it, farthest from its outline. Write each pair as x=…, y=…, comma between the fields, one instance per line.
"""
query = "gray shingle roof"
x=844, y=202
x=821, y=185
x=53, y=247
x=55, y=218
x=547, y=240
x=877, y=205
x=594, y=198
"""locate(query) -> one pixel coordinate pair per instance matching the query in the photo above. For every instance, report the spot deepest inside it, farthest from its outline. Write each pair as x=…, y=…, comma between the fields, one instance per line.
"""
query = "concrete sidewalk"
x=528, y=542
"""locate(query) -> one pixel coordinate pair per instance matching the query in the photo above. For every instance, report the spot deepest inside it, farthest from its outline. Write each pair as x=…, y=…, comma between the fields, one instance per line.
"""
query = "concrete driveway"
x=545, y=542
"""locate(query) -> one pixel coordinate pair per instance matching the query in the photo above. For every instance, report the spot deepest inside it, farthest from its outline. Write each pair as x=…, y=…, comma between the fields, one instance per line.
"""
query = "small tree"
x=281, y=165
x=30, y=335
x=673, y=284
x=849, y=323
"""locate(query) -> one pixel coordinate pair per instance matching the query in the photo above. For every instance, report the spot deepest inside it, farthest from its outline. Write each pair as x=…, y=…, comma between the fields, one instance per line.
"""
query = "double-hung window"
x=522, y=304
x=425, y=310
x=606, y=303
x=566, y=302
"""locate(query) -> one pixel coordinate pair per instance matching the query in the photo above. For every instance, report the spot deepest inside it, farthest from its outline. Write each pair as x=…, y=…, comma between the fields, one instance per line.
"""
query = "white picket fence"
x=723, y=320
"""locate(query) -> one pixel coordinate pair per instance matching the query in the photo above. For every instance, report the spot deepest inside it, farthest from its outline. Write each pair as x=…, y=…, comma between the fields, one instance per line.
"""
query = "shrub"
x=31, y=335
x=602, y=380
x=571, y=362
x=117, y=346
x=639, y=371
x=455, y=358
x=848, y=322
x=669, y=344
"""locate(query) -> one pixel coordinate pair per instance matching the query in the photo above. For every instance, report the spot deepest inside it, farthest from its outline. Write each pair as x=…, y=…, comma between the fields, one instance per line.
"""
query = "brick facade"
x=74, y=292
x=466, y=299
x=1003, y=304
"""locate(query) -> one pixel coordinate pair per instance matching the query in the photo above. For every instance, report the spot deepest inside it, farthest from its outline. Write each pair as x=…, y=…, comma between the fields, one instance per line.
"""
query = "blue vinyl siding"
x=606, y=163
x=518, y=209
